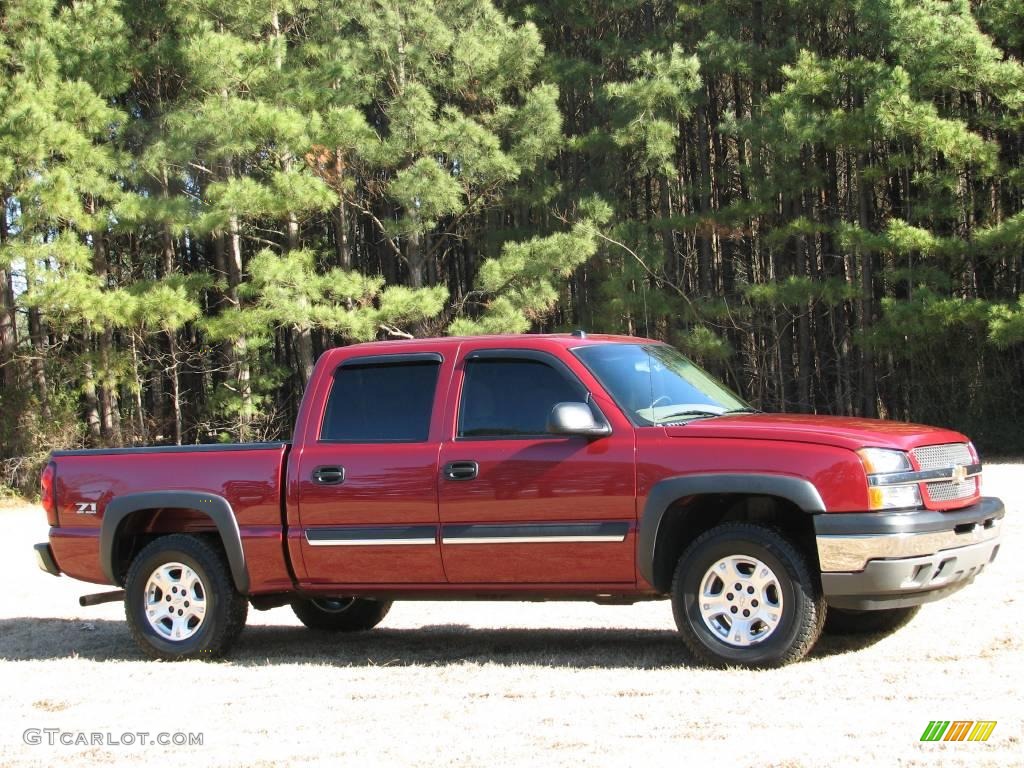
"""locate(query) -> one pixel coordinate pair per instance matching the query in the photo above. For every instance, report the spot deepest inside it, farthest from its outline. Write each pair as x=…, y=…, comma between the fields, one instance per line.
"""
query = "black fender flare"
x=215, y=507
x=797, y=490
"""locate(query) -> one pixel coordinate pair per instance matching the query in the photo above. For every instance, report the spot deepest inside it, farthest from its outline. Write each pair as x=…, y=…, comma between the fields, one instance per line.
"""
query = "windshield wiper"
x=679, y=414
x=703, y=414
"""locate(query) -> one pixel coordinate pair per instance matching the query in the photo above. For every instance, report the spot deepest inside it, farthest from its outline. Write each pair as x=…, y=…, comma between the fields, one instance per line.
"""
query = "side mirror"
x=575, y=419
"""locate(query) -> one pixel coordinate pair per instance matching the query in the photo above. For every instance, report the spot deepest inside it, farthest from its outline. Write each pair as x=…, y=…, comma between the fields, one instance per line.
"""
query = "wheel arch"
x=119, y=511
x=672, y=500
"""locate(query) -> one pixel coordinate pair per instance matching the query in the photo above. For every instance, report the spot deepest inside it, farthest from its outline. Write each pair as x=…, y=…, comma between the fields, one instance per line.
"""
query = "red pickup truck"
x=561, y=467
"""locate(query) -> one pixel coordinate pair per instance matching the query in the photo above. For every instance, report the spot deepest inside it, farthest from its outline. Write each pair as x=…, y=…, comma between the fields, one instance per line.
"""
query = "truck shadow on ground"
x=30, y=638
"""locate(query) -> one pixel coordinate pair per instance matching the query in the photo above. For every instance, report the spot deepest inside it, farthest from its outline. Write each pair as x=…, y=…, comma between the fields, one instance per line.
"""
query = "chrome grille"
x=949, y=491
x=943, y=457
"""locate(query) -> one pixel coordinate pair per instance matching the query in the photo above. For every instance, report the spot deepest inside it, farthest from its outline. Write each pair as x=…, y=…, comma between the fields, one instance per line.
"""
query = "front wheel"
x=341, y=614
x=743, y=595
x=180, y=600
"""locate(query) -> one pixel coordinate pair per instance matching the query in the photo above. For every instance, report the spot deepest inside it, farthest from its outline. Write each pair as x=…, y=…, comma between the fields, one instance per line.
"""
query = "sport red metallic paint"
x=611, y=511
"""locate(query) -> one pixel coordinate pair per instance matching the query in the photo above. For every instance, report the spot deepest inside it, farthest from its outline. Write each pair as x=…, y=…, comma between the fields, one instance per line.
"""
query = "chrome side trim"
x=365, y=536
x=367, y=542
x=535, y=533
x=531, y=539
x=853, y=552
x=923, y=476
x=476, y=533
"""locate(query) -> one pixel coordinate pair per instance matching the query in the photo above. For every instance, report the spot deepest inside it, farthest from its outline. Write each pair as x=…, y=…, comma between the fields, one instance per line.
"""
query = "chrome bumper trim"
x=847, y=553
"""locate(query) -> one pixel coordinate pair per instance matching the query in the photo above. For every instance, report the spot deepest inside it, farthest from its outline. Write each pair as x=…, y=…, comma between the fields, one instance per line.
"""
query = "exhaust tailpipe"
x=101, y=597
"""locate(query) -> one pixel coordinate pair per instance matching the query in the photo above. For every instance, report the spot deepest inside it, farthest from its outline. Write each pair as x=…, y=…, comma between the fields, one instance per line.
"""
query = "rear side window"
x=381, y=403
x=512, y=397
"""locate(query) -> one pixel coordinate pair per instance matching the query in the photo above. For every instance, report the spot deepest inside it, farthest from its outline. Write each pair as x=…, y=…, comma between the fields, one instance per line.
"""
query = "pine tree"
x=60, y=168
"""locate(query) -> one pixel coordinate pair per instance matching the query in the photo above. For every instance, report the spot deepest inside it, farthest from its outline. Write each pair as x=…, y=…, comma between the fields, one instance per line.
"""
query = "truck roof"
x=510, y=339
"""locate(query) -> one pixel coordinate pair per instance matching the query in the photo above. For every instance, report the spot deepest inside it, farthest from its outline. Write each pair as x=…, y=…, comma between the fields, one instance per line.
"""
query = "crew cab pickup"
x=561, y=467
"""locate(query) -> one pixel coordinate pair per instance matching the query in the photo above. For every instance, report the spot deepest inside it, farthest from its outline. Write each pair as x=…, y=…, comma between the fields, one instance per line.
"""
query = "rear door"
x=519, y=505
x=368, y=484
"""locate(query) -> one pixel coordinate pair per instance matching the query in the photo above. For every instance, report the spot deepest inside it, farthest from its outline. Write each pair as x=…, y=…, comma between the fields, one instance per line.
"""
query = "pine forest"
x=822, y=203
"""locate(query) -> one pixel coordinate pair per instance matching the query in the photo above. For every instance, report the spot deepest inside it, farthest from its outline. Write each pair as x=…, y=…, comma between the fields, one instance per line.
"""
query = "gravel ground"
x=496, y=684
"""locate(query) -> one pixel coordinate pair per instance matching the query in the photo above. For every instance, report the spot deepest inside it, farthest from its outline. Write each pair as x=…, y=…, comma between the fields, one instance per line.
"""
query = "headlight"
x=880, y=461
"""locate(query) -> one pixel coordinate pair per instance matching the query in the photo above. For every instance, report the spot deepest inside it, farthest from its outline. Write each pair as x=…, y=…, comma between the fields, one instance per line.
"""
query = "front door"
x=368, y=485
x=520, y=505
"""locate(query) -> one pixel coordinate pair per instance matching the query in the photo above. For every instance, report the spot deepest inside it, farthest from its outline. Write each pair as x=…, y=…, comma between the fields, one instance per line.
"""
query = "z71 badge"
x=85, y=507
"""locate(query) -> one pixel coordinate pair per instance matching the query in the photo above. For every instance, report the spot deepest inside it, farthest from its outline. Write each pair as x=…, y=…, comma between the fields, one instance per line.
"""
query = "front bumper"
x=44, y=559
x=897, y=559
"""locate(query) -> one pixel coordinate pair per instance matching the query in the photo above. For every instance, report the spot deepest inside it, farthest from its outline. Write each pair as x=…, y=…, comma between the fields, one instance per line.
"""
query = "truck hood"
x=839, y=431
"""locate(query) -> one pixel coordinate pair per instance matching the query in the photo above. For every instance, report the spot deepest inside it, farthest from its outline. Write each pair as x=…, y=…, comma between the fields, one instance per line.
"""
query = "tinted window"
x=381, y=403
x=512, y=397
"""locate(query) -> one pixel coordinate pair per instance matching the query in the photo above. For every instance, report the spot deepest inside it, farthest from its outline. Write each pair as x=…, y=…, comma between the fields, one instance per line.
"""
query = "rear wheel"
x=180, y=600
x=842, y=621
x=743, y=595
x=341, y=614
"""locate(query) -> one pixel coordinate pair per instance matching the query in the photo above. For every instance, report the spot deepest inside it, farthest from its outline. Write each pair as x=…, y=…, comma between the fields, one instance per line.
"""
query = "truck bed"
x=247, y=475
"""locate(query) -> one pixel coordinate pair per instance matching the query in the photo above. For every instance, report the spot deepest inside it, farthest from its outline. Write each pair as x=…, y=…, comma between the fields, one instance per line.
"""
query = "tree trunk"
x=304, y=353
x=166, y=237
x=804, y=316
x=8, y=323
x=107, y=390
x=90, y=402
x=866, y=317
x=703, y=182
x=240, y=346
x=140, y=413
x=175, y=379
x=341, y=245
x=414, y=259
x=38, y=338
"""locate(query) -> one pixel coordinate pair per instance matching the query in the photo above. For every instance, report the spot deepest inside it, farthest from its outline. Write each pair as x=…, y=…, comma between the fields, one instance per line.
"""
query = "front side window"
x=655, y=384
x=381, y=403
x=512, y=397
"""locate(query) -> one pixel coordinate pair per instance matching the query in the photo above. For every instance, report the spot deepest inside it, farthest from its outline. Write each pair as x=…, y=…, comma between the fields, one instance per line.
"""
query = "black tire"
x=802, y=606
x=341, y=614
x=842, y=621
x=226, y=609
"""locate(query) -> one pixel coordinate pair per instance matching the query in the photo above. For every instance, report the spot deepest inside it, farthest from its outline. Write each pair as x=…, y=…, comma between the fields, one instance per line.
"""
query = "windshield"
x=655, y=384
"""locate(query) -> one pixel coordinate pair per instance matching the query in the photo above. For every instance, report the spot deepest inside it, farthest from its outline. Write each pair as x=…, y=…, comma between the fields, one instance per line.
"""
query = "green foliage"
x=822, y=202
x=926, y=323
x=426, y=193
x=704, y=344
x=646, y=109
x=165, y=305
x=796, y=290
x=1006, y=324
x=287, y=290
x=522, y=282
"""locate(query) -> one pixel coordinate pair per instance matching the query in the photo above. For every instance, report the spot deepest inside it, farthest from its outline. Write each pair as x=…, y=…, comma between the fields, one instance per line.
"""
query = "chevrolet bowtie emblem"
x=959, y=473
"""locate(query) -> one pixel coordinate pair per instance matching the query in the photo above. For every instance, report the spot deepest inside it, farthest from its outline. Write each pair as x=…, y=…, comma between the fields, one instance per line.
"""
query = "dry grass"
x=495, y=684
